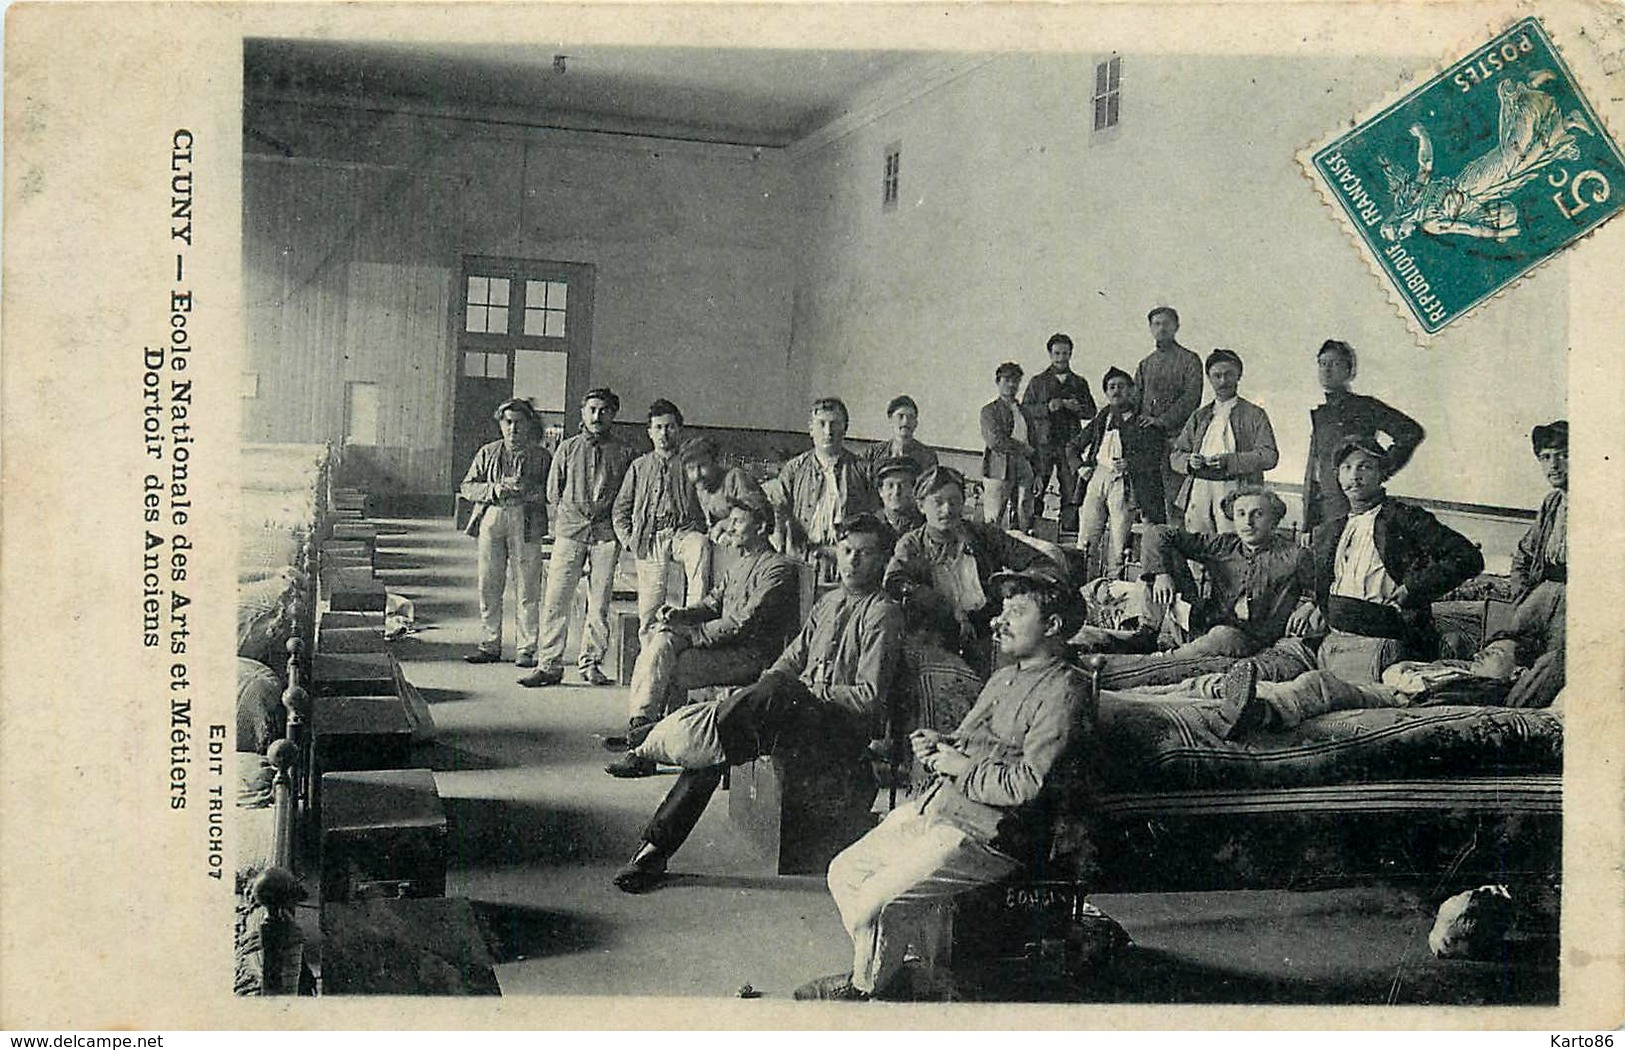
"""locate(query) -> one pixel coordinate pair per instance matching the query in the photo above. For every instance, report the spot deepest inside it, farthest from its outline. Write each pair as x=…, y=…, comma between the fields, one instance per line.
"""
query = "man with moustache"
x=582, y=485
x=657, y=516
x=1169, y=380
x=716, y=487
x=904, y=414
x=1225, y=444
x=823, y=486
x=1345, y=415
x=1058, y=402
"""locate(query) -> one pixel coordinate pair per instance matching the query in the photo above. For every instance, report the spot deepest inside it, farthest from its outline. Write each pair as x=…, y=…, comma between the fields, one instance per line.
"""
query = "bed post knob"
x=297, y=701
x=276, y=890
x=282, y=754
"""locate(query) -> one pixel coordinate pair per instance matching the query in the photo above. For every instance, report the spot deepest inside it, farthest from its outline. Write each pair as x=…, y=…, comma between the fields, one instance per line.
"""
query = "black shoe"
x=642, y=875
x=482, y=656
x=637, y=731
x=525, y=660
x=836, y=988
x=594, y=675
x=543, y=677
x=1241, y=712
x=630, y=766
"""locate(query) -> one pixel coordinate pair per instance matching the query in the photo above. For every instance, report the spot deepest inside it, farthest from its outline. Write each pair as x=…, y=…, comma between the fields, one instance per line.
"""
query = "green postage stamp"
x=1476, y=177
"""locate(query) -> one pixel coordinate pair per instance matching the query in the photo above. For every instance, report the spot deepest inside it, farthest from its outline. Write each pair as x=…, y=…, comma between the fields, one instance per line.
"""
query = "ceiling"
x=750, y=97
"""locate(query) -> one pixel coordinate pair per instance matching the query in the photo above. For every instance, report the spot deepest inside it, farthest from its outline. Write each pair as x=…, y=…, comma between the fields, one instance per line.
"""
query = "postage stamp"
x=1476, y=177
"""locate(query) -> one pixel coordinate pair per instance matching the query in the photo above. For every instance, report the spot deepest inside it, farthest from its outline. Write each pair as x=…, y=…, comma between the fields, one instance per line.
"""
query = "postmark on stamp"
x=1476, y=177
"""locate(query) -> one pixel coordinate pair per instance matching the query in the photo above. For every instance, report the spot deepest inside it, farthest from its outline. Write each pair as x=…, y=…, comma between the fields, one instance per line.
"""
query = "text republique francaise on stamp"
x=1475, y=178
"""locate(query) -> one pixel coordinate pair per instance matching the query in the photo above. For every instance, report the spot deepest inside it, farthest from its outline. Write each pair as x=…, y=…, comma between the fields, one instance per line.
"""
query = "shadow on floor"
x=444, y=758
x=488, y=832
x=515, y=933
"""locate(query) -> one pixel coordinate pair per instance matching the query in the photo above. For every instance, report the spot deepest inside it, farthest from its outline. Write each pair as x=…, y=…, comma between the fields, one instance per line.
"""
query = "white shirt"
x=1111, y=448
x=1357, y=569
x=1018, y=424
x=1219, y=437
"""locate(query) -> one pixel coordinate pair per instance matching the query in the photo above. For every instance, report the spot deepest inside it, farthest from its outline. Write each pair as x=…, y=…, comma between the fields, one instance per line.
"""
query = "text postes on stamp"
x=1476, y=177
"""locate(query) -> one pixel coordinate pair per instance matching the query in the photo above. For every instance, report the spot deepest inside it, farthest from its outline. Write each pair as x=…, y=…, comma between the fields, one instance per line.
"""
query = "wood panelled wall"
x=355, y=223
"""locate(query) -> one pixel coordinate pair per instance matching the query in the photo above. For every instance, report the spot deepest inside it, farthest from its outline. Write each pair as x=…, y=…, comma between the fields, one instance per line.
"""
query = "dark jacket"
x=1349, y=415
x=998, y=422
x=1059, y=428
x=1426, y=557
x=1142, y=451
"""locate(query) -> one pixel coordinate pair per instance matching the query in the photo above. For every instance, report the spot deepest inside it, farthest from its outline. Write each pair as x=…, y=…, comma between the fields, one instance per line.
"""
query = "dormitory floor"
x=537, y=829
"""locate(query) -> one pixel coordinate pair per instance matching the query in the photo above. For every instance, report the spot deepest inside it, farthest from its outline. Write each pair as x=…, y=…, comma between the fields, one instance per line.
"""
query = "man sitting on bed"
x=986, y=810
x=1540, y=565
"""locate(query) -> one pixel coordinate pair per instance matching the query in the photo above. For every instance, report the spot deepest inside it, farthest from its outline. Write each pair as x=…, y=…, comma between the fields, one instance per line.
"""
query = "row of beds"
x=1439, y=797
x=333, y=820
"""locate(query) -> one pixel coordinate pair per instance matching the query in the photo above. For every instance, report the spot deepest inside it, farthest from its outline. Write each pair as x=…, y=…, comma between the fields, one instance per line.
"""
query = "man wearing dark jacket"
x=1347, y=415
x=1058, y=402
x=1121, y=472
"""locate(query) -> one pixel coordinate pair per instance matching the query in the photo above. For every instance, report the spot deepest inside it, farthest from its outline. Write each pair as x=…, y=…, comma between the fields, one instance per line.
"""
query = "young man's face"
x=1007, y=384
x=860, y=561
x=1225, y=377
x=596, y=415
x=944, y=509
x=1060, y=357
x=515, y=427
x=1163, y=328
x=828, y=429
x=1554, y=462
x=1334, y=371
x=1120, y=392
x=1020, y=630
x=744, y=529
x=1255, y=519
x=665, y=432
x=1360, y=477
x=897, y=492
x=904, y=420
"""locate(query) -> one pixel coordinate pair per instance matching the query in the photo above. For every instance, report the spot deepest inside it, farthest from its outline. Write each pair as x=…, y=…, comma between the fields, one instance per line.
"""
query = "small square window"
x=544, y=308
x=487, y=305
x=474, y=365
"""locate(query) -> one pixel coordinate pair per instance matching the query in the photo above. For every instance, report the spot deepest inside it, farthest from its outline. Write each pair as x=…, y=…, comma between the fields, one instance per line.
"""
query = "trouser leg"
x=1022, y=493
x=1171, y=482
x=563, y=574
x=527, y=556
x=1539, y=686
x=493, y=575
x=995, y=494
x=1068, y=460
x=1092, y=511
x=682, y=808
x=693, y=551
x=600, y=589
x=652, y=674
x=652, y=579
x=1119, y=525
x=1219, y=640
x=886, y=884
x=1318, y=693
x=1280, y=662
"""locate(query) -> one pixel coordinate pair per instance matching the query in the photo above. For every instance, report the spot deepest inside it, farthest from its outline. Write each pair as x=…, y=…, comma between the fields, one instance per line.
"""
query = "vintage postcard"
x=700, y=492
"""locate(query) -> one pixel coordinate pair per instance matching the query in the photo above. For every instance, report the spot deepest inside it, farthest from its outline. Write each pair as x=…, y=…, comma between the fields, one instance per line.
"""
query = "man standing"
x=825, y=691
x=582, y=485
x=1007, y=456
x=904, y=415
x=825, y=485
x=1121, y=473
x=1169, y=380
x=1347, y=415
x=726, y=638
x=996, y=783
x=507, y=483
x=1542, y=556
x=1058, y=403
x=657, y=516
x=1227, y=443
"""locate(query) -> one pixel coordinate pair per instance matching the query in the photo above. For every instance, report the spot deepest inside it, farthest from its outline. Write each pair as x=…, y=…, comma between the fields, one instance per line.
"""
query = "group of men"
x=1280, y=631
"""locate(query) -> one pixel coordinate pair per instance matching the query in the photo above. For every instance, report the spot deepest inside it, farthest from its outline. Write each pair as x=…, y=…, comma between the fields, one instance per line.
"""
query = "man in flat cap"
x=1542, y=556
x=1225, y=444
x=986, y=812
x=1121, y=472
x=895, y=478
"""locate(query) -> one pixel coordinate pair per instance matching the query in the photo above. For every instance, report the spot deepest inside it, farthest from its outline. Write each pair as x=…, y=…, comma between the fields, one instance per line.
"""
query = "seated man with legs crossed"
x=727, y=638
x=987, y=809
x=825, y=693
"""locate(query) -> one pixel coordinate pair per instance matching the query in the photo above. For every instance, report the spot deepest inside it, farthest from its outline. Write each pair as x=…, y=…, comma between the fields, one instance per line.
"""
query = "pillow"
x=261, y=718
x=262, y=622
x=687, y=737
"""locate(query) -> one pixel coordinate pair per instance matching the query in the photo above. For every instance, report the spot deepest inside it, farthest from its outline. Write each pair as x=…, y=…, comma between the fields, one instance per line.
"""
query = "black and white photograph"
x=862, y=517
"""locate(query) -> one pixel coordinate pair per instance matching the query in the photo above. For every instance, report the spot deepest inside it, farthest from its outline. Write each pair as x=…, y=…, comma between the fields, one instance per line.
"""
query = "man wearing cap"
x=1007, y=457
x=582, y=485
x=716, y=487
x=824, y=694
x=1344, y=415
x=996, y=783
x=904, y=415
x=1057, y=402
x=1169, y=380
x=1542, y=556
x=895, y=479
x=1225, y=444
x=726, y=638
x=657, y=516
x=507, y=483
x=1121, y=473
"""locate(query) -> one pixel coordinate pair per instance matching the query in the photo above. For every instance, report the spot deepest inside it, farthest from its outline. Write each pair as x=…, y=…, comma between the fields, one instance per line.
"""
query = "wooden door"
x=523, y=328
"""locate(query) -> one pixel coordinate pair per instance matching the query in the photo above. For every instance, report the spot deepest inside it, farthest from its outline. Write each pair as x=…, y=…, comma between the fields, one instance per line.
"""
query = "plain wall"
x=1017, y=220
x=355, y=223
